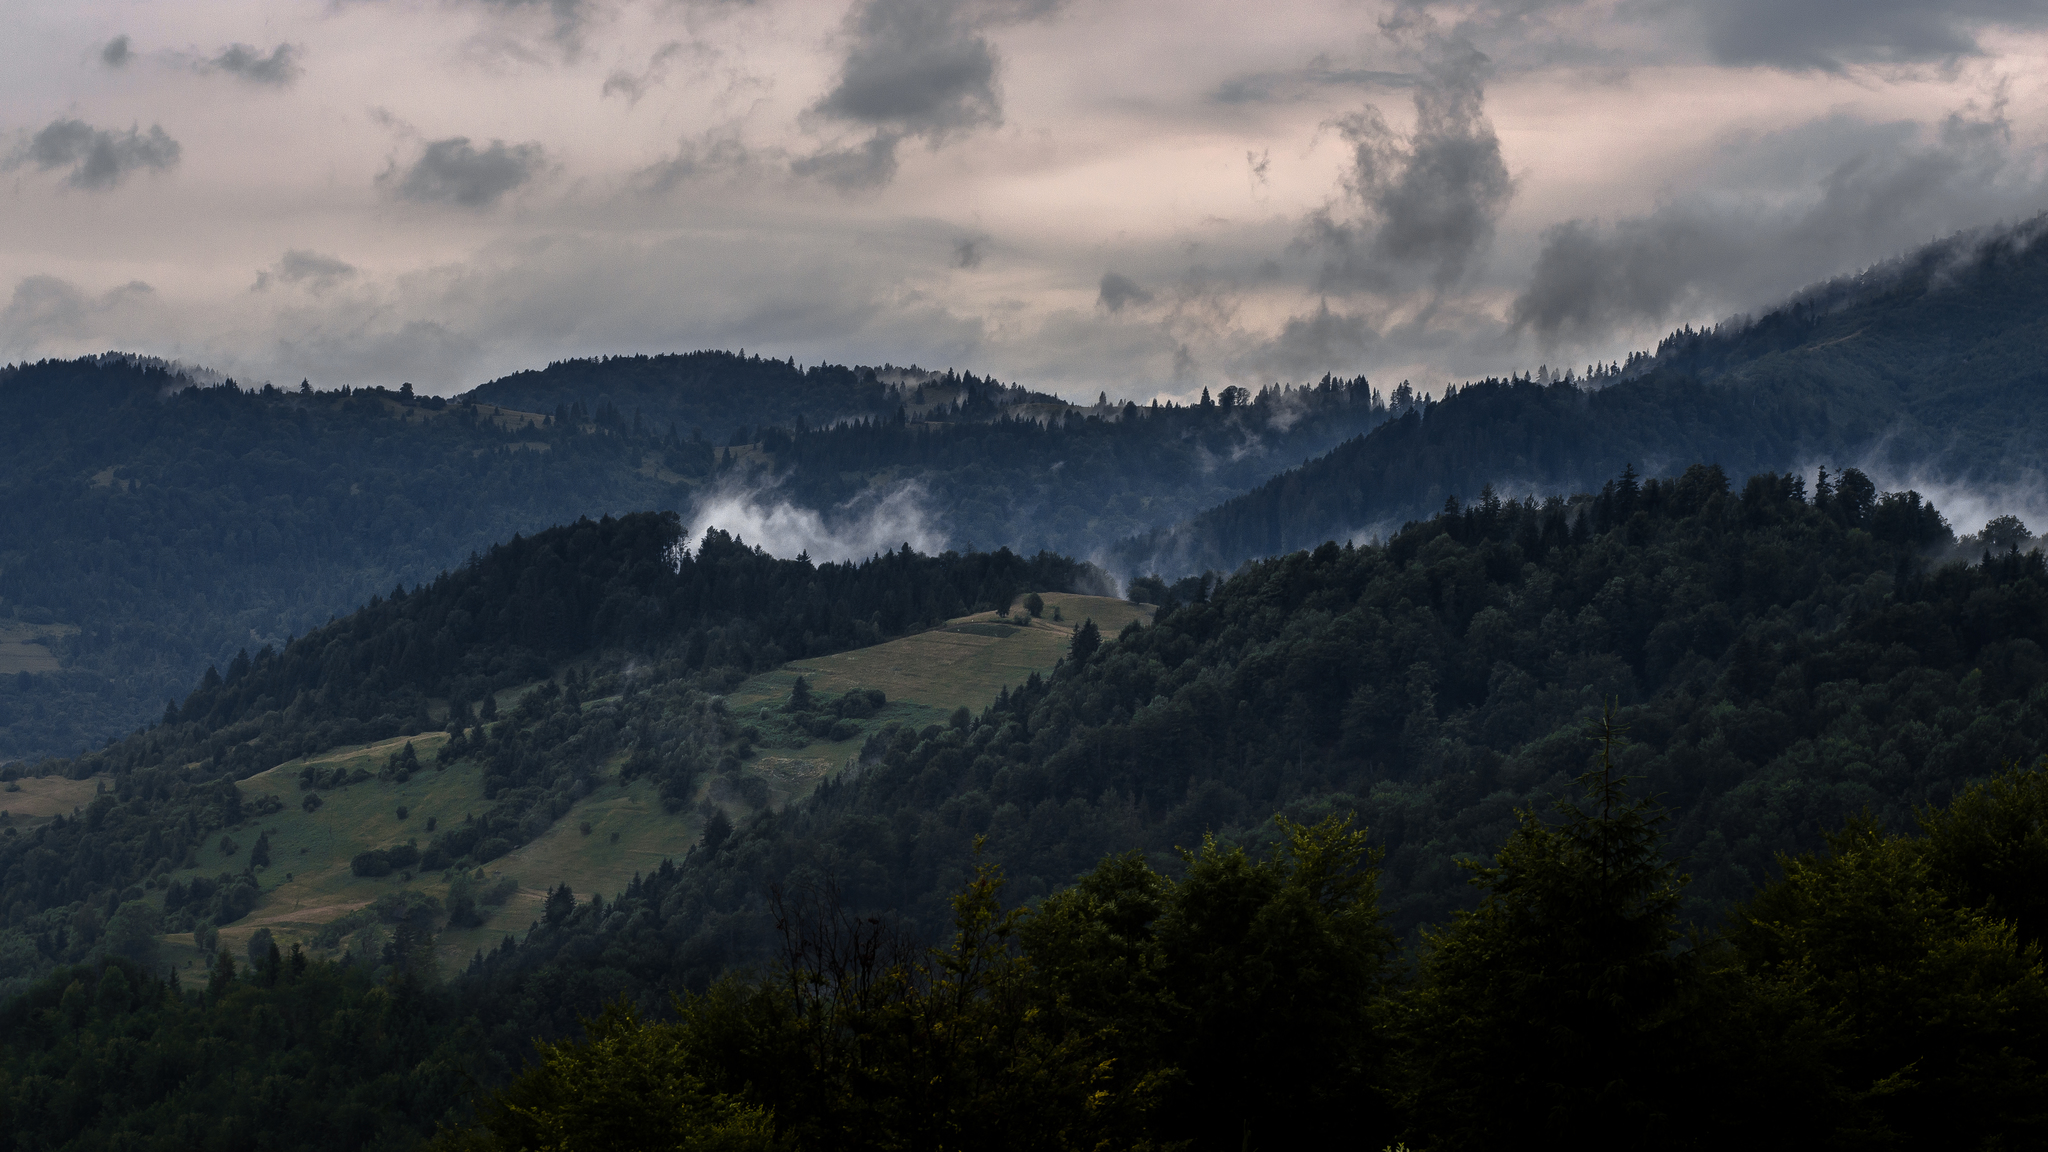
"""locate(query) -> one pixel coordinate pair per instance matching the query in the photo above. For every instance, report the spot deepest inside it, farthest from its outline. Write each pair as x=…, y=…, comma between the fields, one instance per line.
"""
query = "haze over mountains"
x=1926, y=371
x=592, y=747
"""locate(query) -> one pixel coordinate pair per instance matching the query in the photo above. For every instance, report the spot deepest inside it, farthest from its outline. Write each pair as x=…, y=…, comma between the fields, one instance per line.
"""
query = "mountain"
x=152, y=525
x=1769, y=662
x=704, y=395
x=1932, y=368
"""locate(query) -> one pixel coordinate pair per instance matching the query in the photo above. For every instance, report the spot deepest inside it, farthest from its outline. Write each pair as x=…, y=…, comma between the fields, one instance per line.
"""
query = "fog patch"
x=874, y=522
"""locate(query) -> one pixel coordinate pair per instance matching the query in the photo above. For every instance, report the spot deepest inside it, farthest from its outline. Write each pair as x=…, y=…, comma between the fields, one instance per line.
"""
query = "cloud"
x=713, y=153
x=311, y=270
x=914, y=69
x=452, y=171
x=1775, y=213
x=633, y=86
x=870, y=523
x=967, y=252
x=116, y=53
x=1304, y=83
x=1429, y=200
x=864, y=166
x=1119, y=290
x=1323, y=341
x=570, y=17
x=99, y=159
x=44, y=309
x=276, y=70
x=1831, y=35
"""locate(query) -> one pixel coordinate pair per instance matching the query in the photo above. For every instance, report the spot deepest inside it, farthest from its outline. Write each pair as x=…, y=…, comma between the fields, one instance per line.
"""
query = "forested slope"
x=149, y=526
x=159, y=526
x=689, y=622
x=1780, y=659
x=1767, y=665
x=1934, y=365
x=713, y=395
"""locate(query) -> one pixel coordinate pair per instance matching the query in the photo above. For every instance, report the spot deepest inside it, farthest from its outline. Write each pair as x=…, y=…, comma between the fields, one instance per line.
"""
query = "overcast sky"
x=1134, y=196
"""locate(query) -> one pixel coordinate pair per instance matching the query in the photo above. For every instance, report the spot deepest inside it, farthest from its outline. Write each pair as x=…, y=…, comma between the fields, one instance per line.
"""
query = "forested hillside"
x=150, y=527
x=434, y=656
x=1074, y=484
x=708, y=395
x=1771, y=663
x=1935, y=365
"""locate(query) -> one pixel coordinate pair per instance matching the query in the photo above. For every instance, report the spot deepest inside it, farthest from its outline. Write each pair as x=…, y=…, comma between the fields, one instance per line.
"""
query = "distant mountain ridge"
x=1931, y=365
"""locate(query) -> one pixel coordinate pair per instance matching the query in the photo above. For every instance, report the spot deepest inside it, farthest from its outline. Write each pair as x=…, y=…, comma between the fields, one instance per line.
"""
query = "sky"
x=1131, y=196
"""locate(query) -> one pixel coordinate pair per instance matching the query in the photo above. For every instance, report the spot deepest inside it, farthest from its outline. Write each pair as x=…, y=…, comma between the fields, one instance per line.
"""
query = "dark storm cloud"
x=1119, y=290
x=452, y=171
x=116, y=52
x=913, y=69
x=278, y=69
x=1858, y=192
x=1832, y=34
x=1430, y=200
x=99, y=159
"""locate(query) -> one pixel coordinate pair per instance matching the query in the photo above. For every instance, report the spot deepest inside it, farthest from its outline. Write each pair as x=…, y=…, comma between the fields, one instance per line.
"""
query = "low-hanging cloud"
x=1868, y=190
x=99, y=158
x=453, y=171
x=116, y=52
x=871, y=523
x=44, y=309
x=914, y=69
x=1429, y=200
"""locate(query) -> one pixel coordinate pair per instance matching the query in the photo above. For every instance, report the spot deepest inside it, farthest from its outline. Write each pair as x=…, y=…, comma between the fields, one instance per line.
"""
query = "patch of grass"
x=37, y=798
x=964, y=662
x=309, y=883
x=25, y=647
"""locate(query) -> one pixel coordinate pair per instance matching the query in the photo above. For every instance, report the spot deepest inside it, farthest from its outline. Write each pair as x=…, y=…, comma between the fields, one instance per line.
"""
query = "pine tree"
x=1552, y=1012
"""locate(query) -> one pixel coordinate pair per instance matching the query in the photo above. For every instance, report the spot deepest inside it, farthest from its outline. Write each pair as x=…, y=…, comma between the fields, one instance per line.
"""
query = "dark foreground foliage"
x=1878, y=994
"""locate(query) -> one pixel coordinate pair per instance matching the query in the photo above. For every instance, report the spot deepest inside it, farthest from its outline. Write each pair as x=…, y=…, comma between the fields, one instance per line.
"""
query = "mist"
x=880, y=520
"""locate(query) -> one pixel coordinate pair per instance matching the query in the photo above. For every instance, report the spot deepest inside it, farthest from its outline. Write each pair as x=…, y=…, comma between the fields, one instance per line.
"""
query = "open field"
x=30, y=801
x=25, y=647
x=962, y=663
x=308, y=883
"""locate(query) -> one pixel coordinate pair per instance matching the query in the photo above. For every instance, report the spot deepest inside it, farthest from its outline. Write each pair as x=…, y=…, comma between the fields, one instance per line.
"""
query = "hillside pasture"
x=25, y=647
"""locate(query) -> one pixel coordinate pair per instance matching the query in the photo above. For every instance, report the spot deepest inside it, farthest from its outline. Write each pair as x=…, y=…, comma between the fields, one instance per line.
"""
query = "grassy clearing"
x=962, y=663
x=309, y=883
x=25, y=647
x=29, y=802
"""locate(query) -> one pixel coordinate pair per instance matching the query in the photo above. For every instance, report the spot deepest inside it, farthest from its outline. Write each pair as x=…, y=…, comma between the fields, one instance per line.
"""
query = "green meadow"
x=617, y=831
